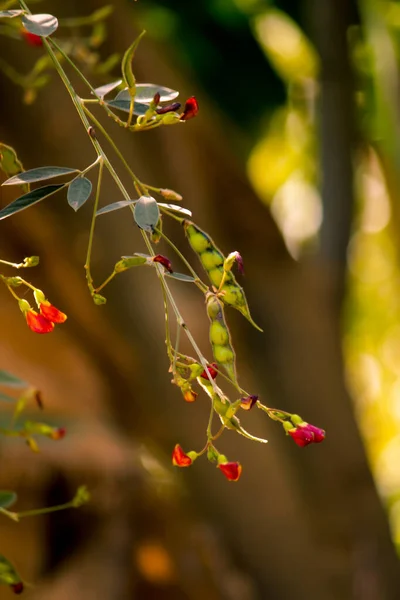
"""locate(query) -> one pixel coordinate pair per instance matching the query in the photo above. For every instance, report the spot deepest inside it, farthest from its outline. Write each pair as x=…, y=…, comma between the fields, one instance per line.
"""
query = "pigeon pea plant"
x=143, y=107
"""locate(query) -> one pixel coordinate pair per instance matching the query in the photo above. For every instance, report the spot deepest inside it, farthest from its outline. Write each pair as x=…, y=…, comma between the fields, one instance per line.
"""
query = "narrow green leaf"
x=126, y=66
x=115, y=206
x=78, y=192
x=39, y=174
x=6, y=398
x=29, y=199
x=175, y=208
x=132, y=261
x=10, y=13
x=145, y=93
x=180, y=276
x=41, y=25
x=138, y=108
x=146, y=213
x=103, y=90
x=11, y=381
x=7, y=498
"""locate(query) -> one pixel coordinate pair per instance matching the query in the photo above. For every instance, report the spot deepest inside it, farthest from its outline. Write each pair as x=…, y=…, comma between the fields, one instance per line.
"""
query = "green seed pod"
x=213, y=262
x=220, y=337
x=218, y=334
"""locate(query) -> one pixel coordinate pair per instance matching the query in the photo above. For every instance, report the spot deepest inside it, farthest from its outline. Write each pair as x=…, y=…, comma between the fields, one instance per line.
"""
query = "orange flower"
x=38, y=323
x=231, y=470
x=180, y=458
x=189, y=395
x=52, y=313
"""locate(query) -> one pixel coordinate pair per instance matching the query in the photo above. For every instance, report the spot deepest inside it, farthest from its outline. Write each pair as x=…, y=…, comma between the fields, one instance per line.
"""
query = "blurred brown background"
x=300, y=523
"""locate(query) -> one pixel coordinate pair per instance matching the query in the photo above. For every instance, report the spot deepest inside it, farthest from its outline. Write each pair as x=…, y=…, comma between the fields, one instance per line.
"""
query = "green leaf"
x=175, y=208
x=38, y=174
x=145, y=93
x=103, y=90
x=126, y=66
x=8, y=574
x=11, y=381
x=146, y=213
x=78, y=192
x=132, y=261
x=10, y=13
x=7, y=498
x=29, y=199
x=41, y=25
x=180, y=276
x=6, y=398
x=138, y=109
x=115, y=206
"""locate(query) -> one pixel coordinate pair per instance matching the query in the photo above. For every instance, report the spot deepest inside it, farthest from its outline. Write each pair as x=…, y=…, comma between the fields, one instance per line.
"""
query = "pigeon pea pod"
x=212, y=260
x=220, y=337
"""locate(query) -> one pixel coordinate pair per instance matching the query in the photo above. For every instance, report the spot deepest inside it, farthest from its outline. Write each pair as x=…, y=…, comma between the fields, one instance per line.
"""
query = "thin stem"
x=12, y=292
x=92, y=227
x=200, y=284
x=140, y=188
x=87, y=82
x=106, y=282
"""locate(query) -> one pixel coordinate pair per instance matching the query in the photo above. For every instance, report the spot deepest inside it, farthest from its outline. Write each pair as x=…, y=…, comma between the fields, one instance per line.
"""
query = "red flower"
x=31, y=38
x=164, y=261
x=212, y=369
x=17, y=588
x=248, y=402
x=58, y=433
x=306, y=434
x=191, y=109
x=179, y=458
x=231, y=470
x=38, y=323
x=52, y=313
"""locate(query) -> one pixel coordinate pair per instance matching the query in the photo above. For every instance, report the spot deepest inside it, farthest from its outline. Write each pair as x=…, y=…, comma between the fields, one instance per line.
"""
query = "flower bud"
x=99, y=299
x=162, y=110
x=170, y=195
x=212, y=369
x=31, y=261
x=180, y=458
x=39, y=296
x=248, y=402
x=164, y=261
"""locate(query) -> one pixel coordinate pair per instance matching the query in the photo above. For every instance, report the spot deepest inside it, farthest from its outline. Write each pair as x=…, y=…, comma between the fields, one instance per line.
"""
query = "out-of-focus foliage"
x=284, y=170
